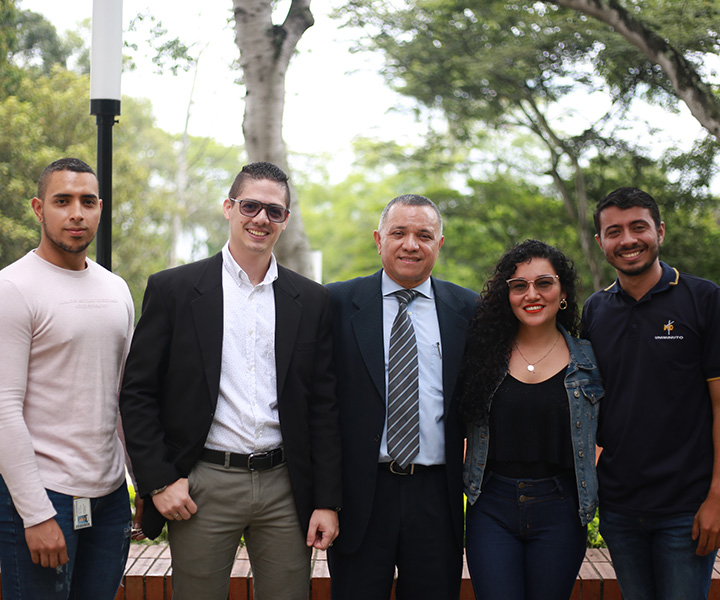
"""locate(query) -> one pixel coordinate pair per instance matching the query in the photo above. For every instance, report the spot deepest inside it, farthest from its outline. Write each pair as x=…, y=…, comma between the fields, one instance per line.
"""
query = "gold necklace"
x=531, y=367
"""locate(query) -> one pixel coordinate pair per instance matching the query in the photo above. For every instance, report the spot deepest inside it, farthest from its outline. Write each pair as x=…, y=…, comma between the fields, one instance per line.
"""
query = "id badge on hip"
x=82, y=514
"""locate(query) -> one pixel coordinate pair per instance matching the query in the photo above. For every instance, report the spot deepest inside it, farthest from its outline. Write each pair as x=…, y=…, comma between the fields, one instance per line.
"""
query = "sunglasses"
x=251, y=208
x=520, y=285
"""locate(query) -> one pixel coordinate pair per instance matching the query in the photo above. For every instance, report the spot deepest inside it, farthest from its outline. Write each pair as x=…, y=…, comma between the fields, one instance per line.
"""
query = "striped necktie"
x=403, y=430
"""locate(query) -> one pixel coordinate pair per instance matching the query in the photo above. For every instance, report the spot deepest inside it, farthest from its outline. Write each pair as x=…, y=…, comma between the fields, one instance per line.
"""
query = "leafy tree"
x=479, y=223
x=484, y=217
x=340, y=218
x=478, y=63
x=38, y=44
x=48, y=118
x=42, y=118
x=8, y=33
x=675, y=37
x=692, y=238
x=495, y=69
x=8, y=43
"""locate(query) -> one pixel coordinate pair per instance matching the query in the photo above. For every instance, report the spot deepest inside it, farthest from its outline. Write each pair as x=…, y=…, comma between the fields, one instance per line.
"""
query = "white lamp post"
x=105, y=71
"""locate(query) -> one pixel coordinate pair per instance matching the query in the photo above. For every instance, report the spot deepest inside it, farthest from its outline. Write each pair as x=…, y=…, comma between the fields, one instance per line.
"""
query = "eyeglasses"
x=520, y=285
x=251, y=208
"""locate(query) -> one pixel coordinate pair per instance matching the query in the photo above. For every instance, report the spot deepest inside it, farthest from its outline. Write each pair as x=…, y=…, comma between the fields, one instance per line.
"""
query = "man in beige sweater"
x=65, y=323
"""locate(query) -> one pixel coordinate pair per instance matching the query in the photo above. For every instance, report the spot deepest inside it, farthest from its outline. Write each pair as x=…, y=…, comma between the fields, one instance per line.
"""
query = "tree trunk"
x=689, y=87
x=576, y=204
x=265, y=53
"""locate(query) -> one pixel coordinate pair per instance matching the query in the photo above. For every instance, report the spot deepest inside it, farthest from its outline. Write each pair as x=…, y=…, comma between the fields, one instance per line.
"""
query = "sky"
x=333, y=95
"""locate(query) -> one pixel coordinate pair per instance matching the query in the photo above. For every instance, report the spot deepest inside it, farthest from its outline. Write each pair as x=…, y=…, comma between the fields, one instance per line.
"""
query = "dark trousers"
x=410, y=528
x=654, y=557
x=524, y=539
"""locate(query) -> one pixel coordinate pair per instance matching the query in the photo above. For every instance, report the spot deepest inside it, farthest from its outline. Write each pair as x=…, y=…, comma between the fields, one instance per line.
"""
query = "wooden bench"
x=148, y=576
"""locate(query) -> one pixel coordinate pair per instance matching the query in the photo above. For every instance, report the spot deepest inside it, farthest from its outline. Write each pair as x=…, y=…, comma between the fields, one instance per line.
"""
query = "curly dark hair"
x=495, y=326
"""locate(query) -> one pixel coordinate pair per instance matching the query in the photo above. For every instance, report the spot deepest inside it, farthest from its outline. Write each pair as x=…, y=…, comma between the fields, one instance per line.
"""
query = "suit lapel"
x=367, y=325
x=453, y=327
x=288, y=312
x=207, y=311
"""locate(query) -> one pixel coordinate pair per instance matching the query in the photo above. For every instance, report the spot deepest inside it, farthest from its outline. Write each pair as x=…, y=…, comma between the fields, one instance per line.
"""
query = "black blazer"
x=359, y=362
x=172, y=376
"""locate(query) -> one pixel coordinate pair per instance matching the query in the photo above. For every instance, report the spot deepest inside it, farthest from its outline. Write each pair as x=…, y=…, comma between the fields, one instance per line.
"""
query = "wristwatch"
x=158, y=491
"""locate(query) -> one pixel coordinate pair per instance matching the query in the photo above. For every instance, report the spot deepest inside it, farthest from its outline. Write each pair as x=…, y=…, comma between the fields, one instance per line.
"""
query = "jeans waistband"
x=529, y=490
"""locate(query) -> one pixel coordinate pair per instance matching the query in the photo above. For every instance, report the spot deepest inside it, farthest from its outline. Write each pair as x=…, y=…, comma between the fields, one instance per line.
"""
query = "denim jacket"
x=584, y=390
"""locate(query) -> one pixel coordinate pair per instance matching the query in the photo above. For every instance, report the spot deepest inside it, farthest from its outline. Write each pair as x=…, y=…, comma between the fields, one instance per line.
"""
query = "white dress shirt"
x=246, y=418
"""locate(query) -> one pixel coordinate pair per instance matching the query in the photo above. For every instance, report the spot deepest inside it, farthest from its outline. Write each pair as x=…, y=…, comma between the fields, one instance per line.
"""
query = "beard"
x=653, y=254
x=76, y=248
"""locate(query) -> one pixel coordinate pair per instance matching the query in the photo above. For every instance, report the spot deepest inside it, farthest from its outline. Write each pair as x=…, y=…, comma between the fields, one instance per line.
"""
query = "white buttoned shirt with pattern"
x=246, y=417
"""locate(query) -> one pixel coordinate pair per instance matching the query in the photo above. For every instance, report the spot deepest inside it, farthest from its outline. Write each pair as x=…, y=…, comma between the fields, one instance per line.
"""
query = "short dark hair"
x=259, y=171
x=410, y=200
x=63, y=164
x=627, y=197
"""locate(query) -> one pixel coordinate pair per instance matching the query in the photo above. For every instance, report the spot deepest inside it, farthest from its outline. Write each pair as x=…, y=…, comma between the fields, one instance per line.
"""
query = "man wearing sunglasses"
x=229, y=409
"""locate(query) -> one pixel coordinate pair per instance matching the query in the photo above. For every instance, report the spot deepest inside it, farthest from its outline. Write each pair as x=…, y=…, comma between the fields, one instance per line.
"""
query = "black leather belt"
x=411, y=469
x=257, y=461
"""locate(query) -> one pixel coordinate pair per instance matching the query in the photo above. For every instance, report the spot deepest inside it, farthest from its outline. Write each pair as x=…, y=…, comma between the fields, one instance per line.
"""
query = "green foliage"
x=497, y=214
x=38, y=44
x=594, y=539
x=161, y=539
x=690, y=211
x=8, y=33
x=170, y=54
x=689, y=26
x=500, y=71
x=484, y=217
x=47, y=117
x=480, y=223
x=340, y=218
x=42, y=118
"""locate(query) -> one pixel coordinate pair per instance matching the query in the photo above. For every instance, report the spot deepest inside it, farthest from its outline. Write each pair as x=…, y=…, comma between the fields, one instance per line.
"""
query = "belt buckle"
x=254, y=455
x=405, y=471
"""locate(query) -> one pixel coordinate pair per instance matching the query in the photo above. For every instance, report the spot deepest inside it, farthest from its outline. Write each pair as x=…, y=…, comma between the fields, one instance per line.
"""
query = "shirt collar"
x=388, y=287
x=239, y=275
x=669, y=277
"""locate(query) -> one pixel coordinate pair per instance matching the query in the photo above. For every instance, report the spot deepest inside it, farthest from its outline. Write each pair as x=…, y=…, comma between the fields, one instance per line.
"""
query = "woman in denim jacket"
x=530, y=392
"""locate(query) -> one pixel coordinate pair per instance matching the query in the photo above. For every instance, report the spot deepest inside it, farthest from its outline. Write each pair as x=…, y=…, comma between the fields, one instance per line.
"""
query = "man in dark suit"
x=229, y=409
x=402, y=436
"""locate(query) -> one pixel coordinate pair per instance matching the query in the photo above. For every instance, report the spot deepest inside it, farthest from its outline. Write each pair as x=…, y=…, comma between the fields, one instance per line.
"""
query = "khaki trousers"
x=233, y=503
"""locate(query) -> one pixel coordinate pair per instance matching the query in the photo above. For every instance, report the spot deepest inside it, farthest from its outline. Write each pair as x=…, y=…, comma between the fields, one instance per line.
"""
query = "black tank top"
x=530, y=429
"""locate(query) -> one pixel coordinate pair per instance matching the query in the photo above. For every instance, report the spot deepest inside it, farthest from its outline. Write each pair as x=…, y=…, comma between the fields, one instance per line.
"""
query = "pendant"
x=531, y=368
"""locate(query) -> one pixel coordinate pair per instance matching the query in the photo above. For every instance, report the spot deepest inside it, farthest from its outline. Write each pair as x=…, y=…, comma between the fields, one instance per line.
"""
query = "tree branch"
x=688, y=85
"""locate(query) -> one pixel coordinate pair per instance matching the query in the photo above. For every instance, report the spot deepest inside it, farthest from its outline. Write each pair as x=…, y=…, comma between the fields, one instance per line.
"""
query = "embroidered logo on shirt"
x=668, y=329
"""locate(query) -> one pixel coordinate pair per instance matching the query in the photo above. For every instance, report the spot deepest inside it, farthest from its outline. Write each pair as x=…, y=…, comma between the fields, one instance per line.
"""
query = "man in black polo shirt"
x=656, y=335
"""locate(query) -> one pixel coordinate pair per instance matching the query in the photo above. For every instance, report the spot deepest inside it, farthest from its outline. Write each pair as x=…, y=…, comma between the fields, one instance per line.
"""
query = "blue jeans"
x=654, y=557
x=524, y=539
x=97, y=554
